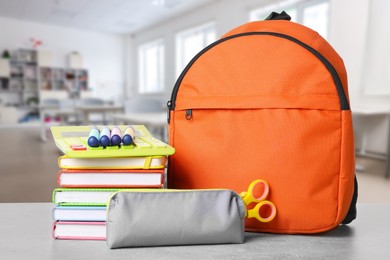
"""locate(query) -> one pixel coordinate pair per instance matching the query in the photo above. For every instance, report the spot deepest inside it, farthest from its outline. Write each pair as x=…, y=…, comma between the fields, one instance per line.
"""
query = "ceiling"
x=109, y=16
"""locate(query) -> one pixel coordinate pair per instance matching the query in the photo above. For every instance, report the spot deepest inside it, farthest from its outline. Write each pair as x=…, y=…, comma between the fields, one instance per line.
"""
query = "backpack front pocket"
x=297, y=151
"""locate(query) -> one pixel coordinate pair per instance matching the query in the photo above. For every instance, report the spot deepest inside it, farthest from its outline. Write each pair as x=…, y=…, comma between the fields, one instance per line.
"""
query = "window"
x=289, y=6
x=311, y=13
x=315, y=15
x=190, y=42
x=151, y=67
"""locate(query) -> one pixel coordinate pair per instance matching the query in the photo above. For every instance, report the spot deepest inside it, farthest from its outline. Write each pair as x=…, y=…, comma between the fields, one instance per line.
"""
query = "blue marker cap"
x=127, y=140
x=128, y=136
x=116, y=136
x=105, y=137
x=93, y=138
x=104, y=141
x=93, y=141
x=115, y=140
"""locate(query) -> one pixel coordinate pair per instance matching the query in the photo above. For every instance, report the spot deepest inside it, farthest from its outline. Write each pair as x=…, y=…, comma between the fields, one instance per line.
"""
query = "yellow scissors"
x=265, y=210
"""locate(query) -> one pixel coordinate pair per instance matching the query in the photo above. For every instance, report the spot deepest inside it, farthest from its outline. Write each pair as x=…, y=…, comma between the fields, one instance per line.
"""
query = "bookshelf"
x=51, y=79
x=22, y=80
x=72, y=81
x=25, y=75
x=77, y=81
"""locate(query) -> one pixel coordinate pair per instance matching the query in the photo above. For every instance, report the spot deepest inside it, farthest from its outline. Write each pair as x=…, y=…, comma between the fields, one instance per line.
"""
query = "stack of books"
x=89, y=176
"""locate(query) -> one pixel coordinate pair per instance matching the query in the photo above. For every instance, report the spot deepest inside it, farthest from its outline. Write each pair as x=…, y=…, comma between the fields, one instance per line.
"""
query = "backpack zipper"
x=189, y=114
x=336, y=79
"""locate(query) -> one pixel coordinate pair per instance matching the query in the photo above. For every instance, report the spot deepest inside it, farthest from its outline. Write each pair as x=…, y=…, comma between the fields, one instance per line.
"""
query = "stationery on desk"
x=97, y=162
x=141, y=162
x=82, y=196
x=79, y=230
x=111, y=178
x=264, y=210
x=72, y=141
x=79, y=213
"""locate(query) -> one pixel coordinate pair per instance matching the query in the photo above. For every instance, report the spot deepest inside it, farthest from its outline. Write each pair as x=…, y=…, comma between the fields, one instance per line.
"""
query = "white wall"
x=348, y=34
x=103, y=54
x=227, y=14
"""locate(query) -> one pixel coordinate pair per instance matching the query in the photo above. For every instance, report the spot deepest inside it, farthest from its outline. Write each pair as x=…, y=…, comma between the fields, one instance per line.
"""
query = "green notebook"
x=72, y=141
x=82, y=196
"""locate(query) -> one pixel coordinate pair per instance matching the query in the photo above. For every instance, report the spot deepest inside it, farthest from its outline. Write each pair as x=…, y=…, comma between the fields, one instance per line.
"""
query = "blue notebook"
x=81, y=213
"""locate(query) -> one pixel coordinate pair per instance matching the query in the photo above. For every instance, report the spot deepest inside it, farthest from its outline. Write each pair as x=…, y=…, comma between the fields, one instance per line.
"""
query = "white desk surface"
x=88, y=109
x=98, y=108
x=92, y=108
x=367, y=112
x=150, y=119
x=25, y=233
x=43, y=107
x=372, y=111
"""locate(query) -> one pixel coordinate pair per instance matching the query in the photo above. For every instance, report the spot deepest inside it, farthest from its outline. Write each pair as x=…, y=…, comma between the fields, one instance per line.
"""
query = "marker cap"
x=104, y=140
x=127, y=139
x=115, y=140
x=93, y=141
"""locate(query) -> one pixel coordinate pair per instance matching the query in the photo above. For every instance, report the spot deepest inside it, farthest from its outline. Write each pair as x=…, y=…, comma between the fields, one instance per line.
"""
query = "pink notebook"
x=139, y=178
x=81, y=230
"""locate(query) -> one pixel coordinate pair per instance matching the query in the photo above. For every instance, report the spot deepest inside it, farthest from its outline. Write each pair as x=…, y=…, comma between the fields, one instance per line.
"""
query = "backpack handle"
x=276, y=16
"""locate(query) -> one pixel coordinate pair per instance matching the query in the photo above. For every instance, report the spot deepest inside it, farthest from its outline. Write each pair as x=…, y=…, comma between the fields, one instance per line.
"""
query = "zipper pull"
x=189, y=114
x=169, y=111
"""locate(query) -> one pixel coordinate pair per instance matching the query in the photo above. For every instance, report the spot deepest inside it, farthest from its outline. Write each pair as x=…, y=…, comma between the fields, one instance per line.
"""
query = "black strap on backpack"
x=352, y=212
x=276, y=16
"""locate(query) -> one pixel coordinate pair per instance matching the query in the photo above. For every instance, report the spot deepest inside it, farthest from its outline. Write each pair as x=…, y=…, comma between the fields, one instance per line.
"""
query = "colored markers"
x=93, y=138
x=116, y=136
x=128, y=136
x=105, y=137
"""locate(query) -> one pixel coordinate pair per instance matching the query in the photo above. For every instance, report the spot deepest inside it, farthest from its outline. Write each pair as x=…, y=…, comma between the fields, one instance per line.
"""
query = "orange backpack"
x=269, y=100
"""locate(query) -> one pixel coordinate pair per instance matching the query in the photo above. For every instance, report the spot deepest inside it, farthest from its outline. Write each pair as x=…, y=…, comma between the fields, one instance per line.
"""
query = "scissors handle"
x=264, y=211
x=257, y=191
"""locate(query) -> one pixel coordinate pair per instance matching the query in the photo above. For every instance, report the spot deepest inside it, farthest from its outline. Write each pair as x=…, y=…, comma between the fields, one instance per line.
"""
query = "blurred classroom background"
x=74, y=62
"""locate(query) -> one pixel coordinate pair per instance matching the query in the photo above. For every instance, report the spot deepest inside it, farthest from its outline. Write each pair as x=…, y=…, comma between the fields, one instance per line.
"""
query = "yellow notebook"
x=139, y=162
x=72, y=141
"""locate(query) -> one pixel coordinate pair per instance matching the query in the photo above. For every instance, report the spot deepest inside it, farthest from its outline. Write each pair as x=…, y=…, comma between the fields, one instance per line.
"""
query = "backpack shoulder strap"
x=352, y=212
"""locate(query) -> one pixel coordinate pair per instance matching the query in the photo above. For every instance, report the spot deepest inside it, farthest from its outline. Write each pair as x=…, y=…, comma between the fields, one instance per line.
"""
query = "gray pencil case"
x=154, y=217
